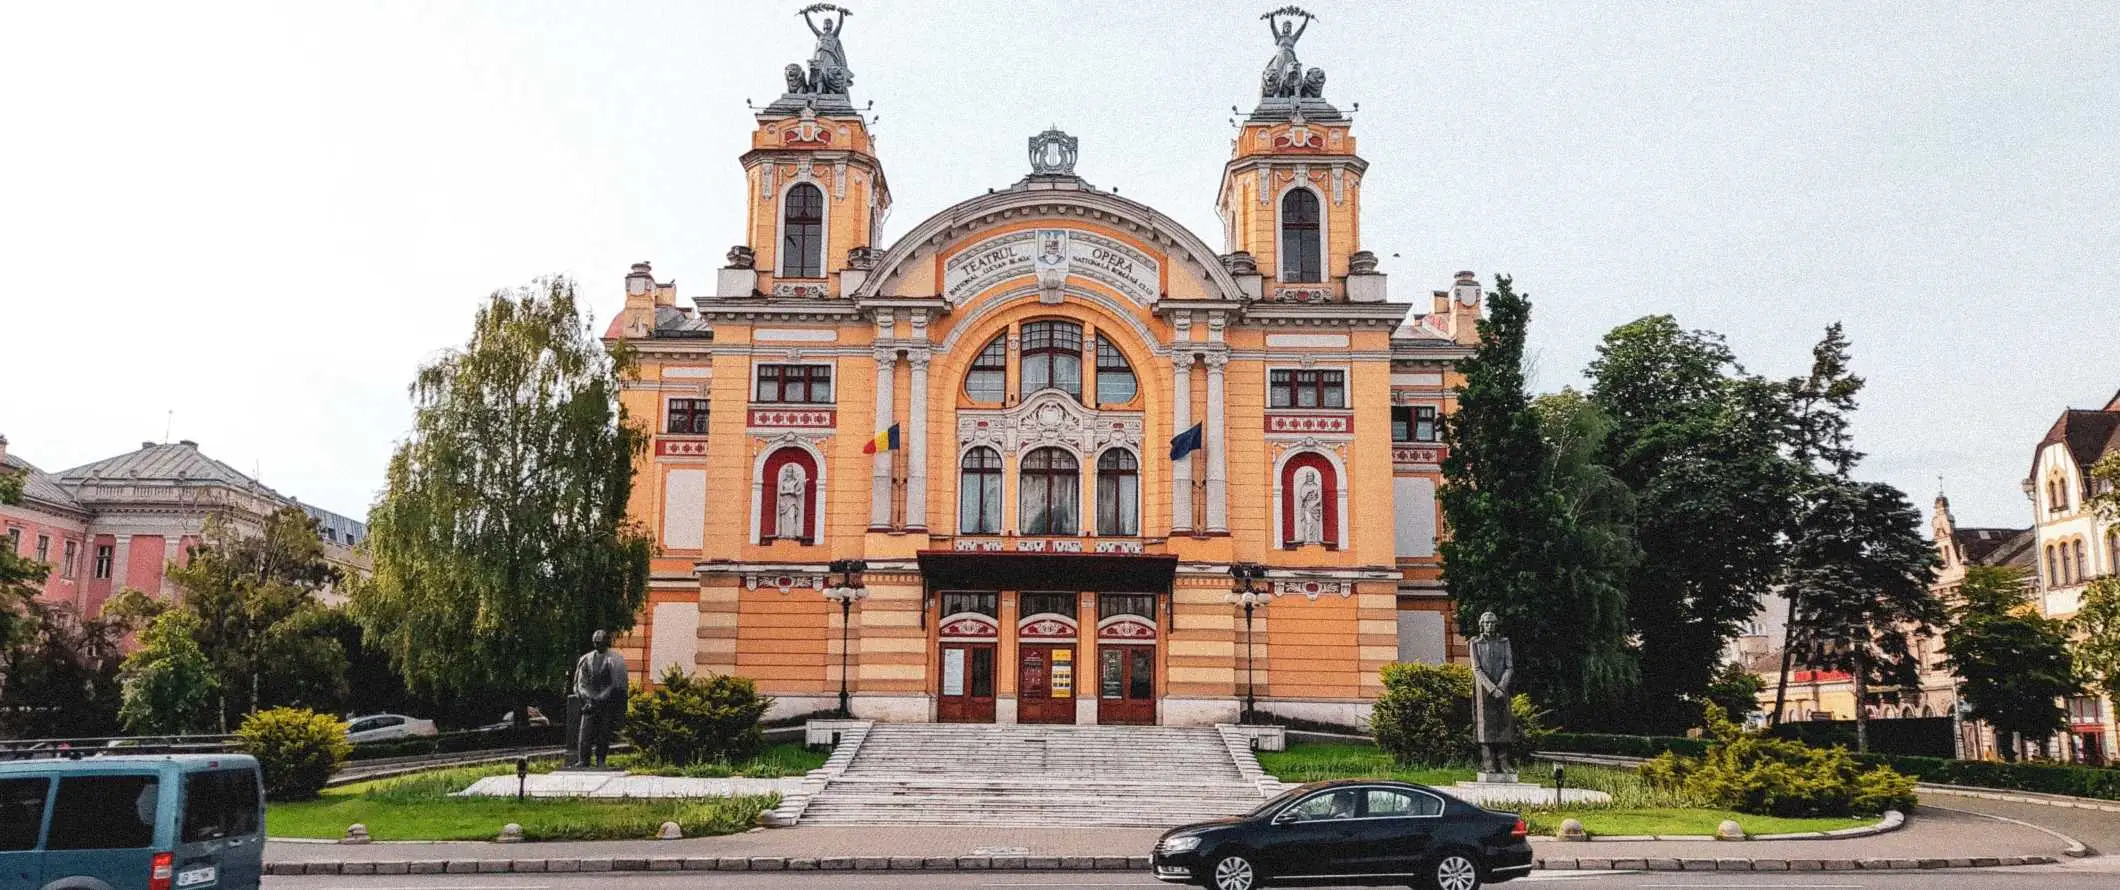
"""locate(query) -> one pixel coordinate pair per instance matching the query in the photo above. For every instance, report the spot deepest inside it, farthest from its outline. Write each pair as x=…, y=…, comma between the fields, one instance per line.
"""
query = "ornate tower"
x=817, y=192
x=1290, y=199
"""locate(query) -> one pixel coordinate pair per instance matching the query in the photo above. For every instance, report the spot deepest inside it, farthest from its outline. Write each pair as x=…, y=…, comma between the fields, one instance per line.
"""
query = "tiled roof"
x=178, y=463
x=39, y=485
x=2089, y=436
x=1978, y=544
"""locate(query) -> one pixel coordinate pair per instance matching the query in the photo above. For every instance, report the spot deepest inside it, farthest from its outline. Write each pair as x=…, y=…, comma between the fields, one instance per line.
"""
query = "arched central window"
x=1051, y=484
x=979, y=493
x=987, y=381
x=802, y=233
x=1115, y=378
x=1118, y=493
x=1302, y=241
x=1052, y=358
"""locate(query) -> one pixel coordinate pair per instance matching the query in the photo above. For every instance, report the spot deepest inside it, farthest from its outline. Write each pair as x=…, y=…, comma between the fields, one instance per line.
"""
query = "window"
x=1052, y=492
x=1302, y=243
x=2083, y=563
x=104, y=813
x=1413, y=423
x=979, y=493
x=2085, y=709
x=688, y=417
x=1290, y=388
x=1052, y=358
x=1115, y=378
x=1141, y=604
x=44, y=548
x=14, y=541
x=2112, y=546
x=2053, y=569
x=1048, y=603
x=977, y=603
x=219, y=804
x=66, y=563
x=104, y=552
x=988, y=379
x=1385, y=803
x=802, y=233
x=22, y=812
x=1118, y=493
x=1424, y=428
x=1328, y=805
x=810, y=384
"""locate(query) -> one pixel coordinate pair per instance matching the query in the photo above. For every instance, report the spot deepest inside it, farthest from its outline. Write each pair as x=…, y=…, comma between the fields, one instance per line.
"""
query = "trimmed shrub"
x=1425, y=716
x=2039, y=778
x=687, y=720
x=298, y=749
x=1753, y=773
x=1622, y=745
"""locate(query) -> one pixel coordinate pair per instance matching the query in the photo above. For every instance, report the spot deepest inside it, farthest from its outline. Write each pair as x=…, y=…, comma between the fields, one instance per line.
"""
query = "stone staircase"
x=945, y=774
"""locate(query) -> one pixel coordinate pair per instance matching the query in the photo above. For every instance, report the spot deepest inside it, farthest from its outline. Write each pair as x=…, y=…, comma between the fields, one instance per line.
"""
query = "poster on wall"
x=953, y=672
x=1063, y=673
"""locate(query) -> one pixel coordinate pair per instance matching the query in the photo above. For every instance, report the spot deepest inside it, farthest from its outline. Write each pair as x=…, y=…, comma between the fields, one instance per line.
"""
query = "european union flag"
x=1185, y=443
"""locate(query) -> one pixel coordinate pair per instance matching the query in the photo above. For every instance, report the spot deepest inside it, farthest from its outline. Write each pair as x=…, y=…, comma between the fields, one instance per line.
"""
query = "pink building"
x=121, y=521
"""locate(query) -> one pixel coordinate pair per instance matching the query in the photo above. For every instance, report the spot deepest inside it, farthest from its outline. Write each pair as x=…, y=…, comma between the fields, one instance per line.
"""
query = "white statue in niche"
x=787, y=513
x=1310, y=507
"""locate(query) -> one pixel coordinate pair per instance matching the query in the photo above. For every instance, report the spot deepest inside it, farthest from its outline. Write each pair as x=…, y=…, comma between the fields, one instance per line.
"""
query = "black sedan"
x=1349, y=832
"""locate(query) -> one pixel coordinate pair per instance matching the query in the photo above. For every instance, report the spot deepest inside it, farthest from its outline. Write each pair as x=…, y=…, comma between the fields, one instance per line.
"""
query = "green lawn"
x=1636, y=807
x=418, y=808
x=776, y=761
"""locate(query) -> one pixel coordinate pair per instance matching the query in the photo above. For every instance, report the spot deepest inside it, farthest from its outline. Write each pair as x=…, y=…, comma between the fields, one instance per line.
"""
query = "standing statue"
x=829, y=72
x=600, y=680
x=1283, y=77
x=1494, y=725
x=787, y=510
x=1310, y=507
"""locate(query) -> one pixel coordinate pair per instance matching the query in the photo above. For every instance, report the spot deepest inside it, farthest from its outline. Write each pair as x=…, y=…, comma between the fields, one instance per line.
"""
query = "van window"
x=22, y=812
x=104, y=813
x=218, y=804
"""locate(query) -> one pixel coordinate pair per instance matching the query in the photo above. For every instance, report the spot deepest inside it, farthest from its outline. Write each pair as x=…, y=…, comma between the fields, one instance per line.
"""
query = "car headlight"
x=1184, y=844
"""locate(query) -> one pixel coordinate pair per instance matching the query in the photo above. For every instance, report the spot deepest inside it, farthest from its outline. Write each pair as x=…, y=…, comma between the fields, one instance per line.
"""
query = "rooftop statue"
x=1284, y=76
x=828, y=73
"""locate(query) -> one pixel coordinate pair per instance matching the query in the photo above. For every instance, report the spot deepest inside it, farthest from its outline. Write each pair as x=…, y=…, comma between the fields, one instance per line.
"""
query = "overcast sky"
x=264, y=217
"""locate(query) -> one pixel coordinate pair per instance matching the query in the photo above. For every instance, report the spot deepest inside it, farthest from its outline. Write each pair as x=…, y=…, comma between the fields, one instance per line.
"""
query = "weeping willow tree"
x=501, y=540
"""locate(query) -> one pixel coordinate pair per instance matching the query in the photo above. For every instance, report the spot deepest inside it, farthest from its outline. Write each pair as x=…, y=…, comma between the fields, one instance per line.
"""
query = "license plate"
x=193, y=877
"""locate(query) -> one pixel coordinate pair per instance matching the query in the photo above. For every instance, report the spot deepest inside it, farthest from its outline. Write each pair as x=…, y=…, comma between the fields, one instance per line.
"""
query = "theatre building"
x=984, y=411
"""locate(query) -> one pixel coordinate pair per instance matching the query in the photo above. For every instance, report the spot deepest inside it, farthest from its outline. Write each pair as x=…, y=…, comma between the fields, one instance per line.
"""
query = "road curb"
x=1048, y=863
x=1892, y=820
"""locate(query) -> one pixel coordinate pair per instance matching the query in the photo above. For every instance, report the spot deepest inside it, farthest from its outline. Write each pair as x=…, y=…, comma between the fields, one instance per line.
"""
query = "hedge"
x=455, y=742
x=1908, y=736
x=1622, y=745
x=2040, y=778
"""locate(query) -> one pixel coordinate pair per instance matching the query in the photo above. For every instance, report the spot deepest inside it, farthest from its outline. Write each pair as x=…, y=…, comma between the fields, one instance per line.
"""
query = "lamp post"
x=845, y=589
x=1250, y=595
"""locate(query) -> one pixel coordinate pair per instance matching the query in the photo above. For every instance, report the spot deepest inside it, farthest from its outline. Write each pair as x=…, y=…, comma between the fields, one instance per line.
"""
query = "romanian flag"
x=884, y=441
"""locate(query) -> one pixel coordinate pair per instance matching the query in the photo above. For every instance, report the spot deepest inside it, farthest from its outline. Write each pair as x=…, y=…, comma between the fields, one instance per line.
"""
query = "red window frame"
x=688, y=417
x=775, y=382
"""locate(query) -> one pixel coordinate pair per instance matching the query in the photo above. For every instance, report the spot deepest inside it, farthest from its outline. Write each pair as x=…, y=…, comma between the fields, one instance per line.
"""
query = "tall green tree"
x=254, y=593
x=2013, y=664
x=1864, y=568
x=1698, y=443
x=1822, y=446
x=2096, y=629
x=501, y=540
x=2105, y=498
x=170, y=686
x=1515, y=548
x=20, y=579
x=1593, y=547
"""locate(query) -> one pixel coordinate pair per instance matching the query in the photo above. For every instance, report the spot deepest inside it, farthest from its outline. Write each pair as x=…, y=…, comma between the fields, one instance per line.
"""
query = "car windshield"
x=1279, y=799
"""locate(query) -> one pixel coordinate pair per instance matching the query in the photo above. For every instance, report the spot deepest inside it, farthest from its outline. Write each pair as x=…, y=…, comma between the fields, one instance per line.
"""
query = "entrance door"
x=1045, y=684
x=967, y=683
x=1126, y=684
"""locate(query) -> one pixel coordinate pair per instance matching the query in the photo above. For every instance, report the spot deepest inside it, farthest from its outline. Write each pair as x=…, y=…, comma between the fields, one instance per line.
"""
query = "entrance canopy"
x=1103, y=572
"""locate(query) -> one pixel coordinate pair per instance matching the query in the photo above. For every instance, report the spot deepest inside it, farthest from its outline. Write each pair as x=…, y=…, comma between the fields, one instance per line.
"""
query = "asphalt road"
x=2043, y=877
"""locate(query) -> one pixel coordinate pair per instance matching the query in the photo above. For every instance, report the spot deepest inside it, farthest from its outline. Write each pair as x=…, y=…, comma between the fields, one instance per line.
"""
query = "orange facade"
x=984, y=411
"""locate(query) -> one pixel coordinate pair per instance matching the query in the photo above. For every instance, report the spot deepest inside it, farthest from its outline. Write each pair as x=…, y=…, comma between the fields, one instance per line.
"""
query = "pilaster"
x=1181, y=506
x=880, y=464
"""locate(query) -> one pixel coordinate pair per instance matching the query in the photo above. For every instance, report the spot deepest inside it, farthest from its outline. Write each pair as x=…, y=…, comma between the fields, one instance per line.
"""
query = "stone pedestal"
x=1498, y=779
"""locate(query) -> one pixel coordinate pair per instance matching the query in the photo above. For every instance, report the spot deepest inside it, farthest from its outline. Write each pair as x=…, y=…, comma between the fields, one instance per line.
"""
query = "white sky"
x=263, y=217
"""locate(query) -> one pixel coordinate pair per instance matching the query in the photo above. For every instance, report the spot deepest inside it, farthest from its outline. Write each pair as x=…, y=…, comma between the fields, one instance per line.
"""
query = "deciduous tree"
x=254, y=594
x=170, y=686
x=2013, y=664
x=501, y=540
x=2096, y=628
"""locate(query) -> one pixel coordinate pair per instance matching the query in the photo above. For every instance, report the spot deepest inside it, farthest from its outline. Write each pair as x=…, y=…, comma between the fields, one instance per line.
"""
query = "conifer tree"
x=1823, y=448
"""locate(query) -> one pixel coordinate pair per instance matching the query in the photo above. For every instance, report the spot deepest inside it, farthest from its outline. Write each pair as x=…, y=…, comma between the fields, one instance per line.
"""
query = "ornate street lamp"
x=1250, y=594
x=845, y=589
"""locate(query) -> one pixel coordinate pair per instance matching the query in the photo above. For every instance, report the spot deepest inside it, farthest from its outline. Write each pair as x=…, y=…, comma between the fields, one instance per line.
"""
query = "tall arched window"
x=2112, y=547
x=987, y=381
x=1052, y=358
x=1051, y=501
x=2053, y=569
x=1310, y=501
x=2083, y=562
x=1302, y=239
x=979, y=493
x=1115, y=378
x=1118, y=493
x=802, y=232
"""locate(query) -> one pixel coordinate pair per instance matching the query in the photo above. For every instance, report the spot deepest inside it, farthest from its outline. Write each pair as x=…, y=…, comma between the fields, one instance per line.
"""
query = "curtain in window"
x=1118, y=494
x=1052, y=358
x=979, y=493
x=1115, y=378
x=1052, y=493
x=988, y=378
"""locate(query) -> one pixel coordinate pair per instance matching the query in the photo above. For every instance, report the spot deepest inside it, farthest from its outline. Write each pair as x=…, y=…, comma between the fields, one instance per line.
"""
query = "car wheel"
x=1454, y=870
x=1233, y=873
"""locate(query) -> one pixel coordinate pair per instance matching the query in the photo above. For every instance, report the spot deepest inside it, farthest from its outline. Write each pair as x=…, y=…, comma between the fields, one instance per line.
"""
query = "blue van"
x=175, y=822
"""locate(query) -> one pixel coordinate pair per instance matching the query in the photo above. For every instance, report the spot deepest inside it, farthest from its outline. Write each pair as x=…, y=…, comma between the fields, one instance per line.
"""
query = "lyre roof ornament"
x=1053, y=153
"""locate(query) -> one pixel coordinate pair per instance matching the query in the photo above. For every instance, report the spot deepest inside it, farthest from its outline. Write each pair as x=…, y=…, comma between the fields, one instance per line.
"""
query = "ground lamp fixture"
x=1557, y=784
x=522, y=776
x=1250, y=593
x=843, y=586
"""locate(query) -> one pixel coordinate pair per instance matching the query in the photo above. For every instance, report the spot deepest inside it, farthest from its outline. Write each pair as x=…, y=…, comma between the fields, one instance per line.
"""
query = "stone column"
x=916, y=442
x=880, y=466
x=1217, y=459
x=1181, y=512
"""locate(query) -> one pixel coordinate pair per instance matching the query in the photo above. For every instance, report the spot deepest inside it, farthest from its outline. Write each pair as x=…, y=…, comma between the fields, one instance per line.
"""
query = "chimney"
x=188, y=444
x=3, y=448
x=1467, y=289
